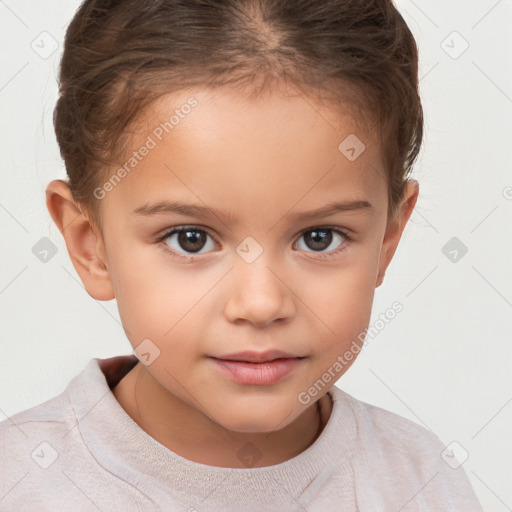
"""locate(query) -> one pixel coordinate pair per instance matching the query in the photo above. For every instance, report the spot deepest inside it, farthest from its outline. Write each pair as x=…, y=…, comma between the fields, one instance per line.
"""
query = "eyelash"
x=321, y=256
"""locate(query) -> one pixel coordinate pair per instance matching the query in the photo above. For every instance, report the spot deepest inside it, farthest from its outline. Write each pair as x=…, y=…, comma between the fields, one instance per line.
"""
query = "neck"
x=193, y=435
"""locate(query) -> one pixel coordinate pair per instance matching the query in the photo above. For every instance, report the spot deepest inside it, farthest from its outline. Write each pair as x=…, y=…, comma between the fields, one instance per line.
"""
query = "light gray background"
x=444, y=361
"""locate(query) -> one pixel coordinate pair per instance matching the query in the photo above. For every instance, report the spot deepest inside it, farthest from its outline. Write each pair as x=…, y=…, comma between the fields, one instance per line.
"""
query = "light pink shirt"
x=80, y=451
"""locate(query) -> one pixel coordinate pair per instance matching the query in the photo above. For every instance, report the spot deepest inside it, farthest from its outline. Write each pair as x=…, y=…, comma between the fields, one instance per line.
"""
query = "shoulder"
x=388, y=428
x=54, y=414
x=45, y=451
x=52, y=422
x=22, y=433
x=406, y=463
x=31, y=442
x=395, y=430
x=39, y=449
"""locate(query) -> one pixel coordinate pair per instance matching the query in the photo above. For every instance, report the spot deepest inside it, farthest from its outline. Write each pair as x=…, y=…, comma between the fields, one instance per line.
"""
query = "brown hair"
x=121, y=55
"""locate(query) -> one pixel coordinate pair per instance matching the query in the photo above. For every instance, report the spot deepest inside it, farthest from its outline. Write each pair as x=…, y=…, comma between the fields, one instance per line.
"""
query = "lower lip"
x=257, y=374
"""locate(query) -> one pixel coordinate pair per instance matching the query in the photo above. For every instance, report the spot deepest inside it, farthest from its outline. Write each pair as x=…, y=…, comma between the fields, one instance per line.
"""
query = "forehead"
x=225, y=149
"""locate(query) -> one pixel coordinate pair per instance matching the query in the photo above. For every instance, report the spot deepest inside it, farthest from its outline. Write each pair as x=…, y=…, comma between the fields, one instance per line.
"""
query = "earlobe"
x=396, y=226
x=83, y=240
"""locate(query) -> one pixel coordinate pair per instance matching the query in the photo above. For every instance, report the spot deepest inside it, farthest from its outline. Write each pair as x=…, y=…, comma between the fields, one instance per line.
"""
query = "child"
x=277, y=137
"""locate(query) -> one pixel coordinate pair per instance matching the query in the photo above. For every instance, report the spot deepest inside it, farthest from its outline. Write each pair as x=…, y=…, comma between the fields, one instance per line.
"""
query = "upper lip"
x=258, y=357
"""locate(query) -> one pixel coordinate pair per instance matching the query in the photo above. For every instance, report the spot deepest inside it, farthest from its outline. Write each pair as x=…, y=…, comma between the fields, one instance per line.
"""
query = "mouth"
x=257, y=368
x=250, y=356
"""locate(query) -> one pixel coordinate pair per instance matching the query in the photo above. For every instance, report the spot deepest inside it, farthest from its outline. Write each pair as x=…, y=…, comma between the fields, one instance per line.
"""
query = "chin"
x=254, y=422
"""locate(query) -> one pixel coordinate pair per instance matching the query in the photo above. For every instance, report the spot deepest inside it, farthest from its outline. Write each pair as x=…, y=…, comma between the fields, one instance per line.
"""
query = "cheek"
x=341, y=296
x=340, y=303
x=158, y=299
x=142, y=291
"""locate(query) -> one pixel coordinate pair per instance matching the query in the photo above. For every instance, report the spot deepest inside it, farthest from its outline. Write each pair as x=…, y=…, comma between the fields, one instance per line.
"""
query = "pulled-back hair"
x=121, y=55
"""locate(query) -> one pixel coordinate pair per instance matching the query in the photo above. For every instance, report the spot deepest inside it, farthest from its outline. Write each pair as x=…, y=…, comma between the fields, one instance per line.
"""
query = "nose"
x=258, y=295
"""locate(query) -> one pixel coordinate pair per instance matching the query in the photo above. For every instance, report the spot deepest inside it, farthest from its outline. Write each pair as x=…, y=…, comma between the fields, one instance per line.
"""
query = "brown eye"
x=319, y=240
x=187, y=239
x=191, y=241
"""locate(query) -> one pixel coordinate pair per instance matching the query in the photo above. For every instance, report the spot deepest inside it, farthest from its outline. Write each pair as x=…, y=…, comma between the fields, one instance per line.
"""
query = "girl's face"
x=257, y=271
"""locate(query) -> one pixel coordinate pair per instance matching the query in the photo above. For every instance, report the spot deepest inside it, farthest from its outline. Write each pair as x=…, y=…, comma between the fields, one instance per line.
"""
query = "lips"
x=257, y=368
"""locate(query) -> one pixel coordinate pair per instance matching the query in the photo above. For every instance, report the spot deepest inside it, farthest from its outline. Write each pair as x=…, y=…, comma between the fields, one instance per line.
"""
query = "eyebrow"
x=194, y=210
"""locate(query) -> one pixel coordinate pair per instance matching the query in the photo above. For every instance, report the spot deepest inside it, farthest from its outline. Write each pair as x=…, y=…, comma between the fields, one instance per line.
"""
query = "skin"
x=262, y=160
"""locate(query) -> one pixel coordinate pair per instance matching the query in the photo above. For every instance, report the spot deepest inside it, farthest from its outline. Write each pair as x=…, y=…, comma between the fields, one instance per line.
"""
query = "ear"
x=84, y=240
x=395, y=227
